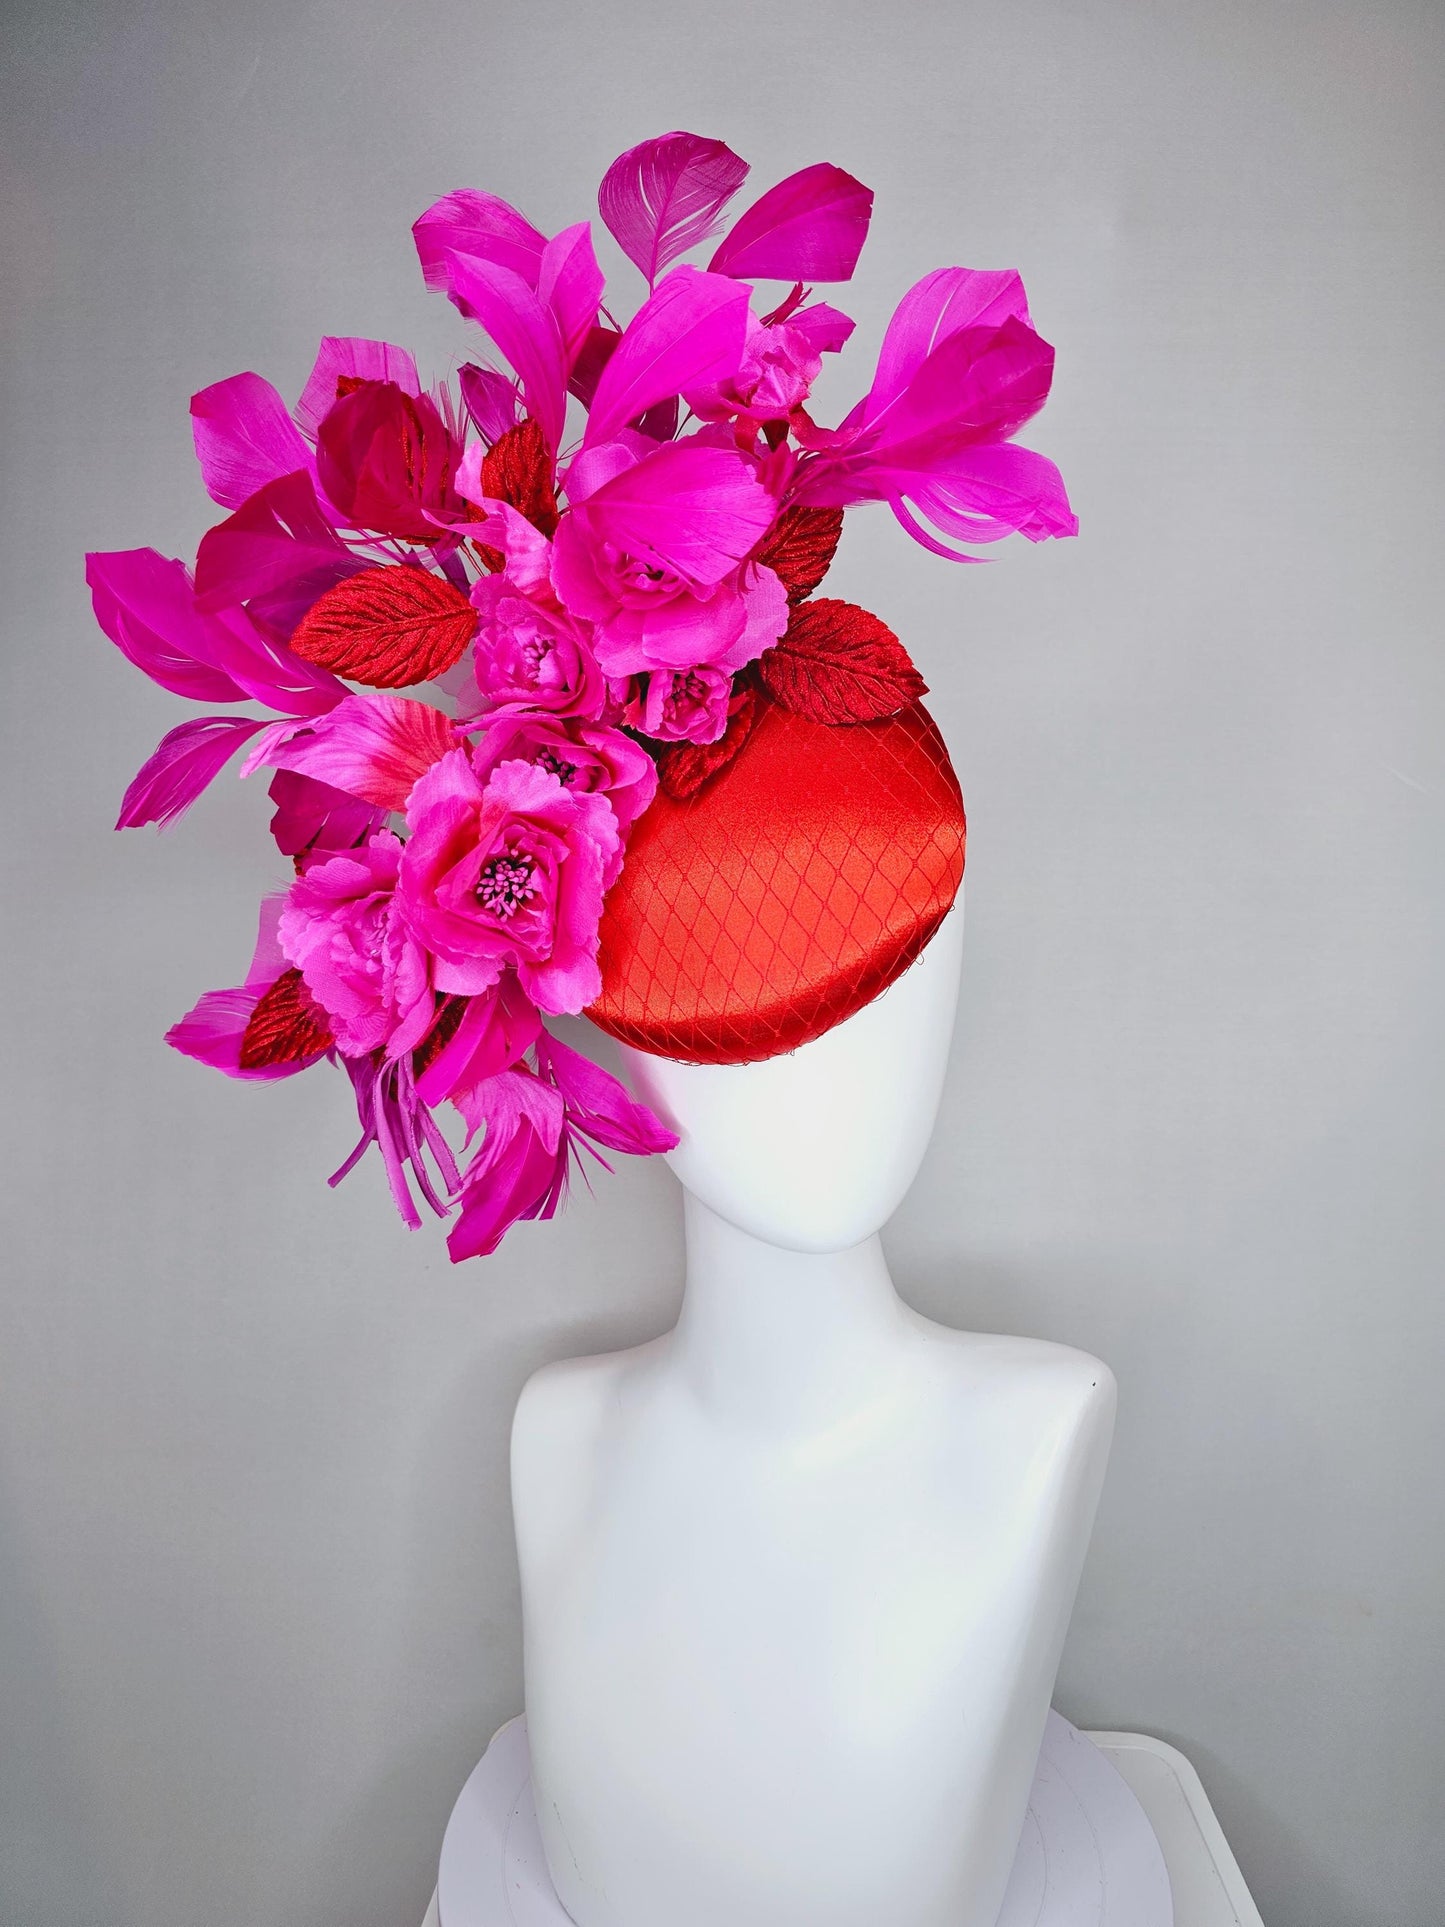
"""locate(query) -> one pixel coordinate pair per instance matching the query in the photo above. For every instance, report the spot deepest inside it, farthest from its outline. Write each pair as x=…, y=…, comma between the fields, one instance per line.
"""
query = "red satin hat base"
x=787, y=894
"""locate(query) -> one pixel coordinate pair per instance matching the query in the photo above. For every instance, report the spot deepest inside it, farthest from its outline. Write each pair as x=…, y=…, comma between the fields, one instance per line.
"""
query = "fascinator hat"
x=558, y=720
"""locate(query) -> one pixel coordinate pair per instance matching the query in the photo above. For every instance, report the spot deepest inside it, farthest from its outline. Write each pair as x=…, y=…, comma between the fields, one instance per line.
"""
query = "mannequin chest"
x=873, y=1570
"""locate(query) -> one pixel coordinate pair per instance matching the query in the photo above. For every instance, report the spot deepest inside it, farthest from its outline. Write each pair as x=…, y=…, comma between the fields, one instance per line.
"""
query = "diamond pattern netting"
x=787, y=894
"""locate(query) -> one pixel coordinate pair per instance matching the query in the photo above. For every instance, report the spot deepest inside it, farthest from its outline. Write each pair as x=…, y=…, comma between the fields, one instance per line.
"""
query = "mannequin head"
x=815, y=1149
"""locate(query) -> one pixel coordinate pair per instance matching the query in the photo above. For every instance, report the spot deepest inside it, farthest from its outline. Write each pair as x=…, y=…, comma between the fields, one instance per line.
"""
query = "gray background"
x=259, y=1600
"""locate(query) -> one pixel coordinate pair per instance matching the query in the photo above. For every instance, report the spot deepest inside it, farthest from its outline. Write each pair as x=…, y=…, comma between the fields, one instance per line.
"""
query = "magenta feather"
x=244, y=438
x=183, y=763
x=524, y=330
x=810, y=227
x=665, y=196
x=361, y=360
x=686, y=335
x=479, y=225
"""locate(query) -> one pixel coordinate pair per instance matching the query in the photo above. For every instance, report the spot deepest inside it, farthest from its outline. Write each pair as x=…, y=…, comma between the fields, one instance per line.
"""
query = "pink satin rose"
x=653, y=553
x=341, y=928
x=584, y=756
x=779, y=366
x=683, y=705
x=508, y=871
x=528, y=656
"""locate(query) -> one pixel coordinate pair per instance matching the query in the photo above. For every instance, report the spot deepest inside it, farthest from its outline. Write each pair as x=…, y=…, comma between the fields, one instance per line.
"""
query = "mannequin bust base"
x=1087, y=1856
x=796, y=1578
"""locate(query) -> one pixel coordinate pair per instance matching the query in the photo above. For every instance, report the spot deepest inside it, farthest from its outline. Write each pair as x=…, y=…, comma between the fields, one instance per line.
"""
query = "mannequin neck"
x=783, y=1340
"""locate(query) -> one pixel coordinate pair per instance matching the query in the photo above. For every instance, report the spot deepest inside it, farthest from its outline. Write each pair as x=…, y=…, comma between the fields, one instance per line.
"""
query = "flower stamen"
x=505, y=884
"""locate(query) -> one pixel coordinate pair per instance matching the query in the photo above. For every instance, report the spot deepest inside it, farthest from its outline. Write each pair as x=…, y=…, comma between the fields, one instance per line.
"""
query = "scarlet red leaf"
x=838, y=664
x=685, y=768
x=286, y=1026
x=387, y=627
x=517, y=468
x=800, y=546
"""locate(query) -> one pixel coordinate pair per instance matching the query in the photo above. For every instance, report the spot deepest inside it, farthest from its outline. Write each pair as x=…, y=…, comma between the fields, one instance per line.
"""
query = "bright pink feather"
x=481, y=227
x=146, y=604
x=981, y=384
x=184, y=762
x=940, y=305
x=244, y=438
x=810, y=227
x=359, y=360
x=666, y=195
x=525, y=331
x=986, y=493
x=496, y=1031
x=570, y=285
x=598, y=1105
x=491, y=400
x=688, y=334
x=372, y=746
x=276, y=554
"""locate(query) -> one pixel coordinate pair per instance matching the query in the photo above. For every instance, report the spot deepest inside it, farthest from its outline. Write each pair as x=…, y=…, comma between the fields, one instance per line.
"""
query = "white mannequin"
x=796, y=1575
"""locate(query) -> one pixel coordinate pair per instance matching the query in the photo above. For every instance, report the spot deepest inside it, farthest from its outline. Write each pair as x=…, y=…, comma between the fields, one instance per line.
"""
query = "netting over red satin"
x=799, y=884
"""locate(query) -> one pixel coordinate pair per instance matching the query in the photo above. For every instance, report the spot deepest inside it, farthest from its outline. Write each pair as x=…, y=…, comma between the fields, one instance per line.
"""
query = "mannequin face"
x=813, y=1151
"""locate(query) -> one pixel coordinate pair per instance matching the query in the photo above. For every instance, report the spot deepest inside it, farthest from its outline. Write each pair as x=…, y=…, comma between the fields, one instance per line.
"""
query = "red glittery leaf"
x=799, y=547
x=517, y=468
x=685, y=768
x=838, y=664
x=286, y=1026
x=387, y=627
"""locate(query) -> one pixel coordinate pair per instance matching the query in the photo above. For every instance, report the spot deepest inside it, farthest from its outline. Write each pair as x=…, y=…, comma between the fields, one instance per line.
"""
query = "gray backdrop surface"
x=258, y=1606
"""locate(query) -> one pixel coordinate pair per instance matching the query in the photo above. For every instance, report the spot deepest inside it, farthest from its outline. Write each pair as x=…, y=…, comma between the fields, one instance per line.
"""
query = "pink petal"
x=571, y=284
x=810, y=227
x=523, y=329
x=185, y=760
x=665, y=196
x=688, y=334
x=146, y=604
x=277, y=554
x=527, y=551
x=372, y=746
x=481, y=227
x=940, y=305
x=359, y=359
x=244, y=438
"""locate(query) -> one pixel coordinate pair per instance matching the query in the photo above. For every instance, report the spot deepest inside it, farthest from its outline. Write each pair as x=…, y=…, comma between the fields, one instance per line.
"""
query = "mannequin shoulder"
x=564, y=1406
x=1043, y=1383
